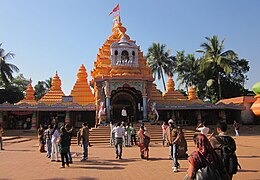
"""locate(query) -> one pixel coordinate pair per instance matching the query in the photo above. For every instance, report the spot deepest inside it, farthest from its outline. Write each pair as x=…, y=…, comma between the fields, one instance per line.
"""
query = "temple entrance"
x=131, y=100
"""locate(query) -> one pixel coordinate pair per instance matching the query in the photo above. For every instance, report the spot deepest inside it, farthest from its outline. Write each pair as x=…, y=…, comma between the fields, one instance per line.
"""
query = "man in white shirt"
x=203, y=129
x=119, y=133
x=124, y=114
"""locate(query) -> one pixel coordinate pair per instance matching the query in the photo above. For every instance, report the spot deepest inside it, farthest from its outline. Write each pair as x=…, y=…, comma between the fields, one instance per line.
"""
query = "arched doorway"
x=129, y=98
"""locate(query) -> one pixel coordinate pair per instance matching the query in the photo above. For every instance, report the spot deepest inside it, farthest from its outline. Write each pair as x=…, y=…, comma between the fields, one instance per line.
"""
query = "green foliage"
x=160, y=60
x=6, y=69
x=13, y=92
x=41, y=88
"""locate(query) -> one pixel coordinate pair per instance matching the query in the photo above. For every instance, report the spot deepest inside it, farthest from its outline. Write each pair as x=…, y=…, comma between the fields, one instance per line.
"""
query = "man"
x=83, y=138
x=203, y=129
x=172, y=139
x=119, y=133
x=236, y=128
x=47, y=136
x=221, y=142
x=124, y=114
x=1, y=137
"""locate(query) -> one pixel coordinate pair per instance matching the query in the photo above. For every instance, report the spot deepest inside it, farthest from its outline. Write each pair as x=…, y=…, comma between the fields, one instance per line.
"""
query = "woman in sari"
x=204, y=152
x=41, y=138
x=144, y=140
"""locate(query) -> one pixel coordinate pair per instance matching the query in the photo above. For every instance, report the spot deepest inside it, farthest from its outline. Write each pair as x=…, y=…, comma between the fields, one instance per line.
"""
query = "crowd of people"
x=215, y=153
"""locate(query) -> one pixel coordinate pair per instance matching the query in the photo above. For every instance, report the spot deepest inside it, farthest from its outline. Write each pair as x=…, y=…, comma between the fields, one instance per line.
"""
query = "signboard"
x=67, y=99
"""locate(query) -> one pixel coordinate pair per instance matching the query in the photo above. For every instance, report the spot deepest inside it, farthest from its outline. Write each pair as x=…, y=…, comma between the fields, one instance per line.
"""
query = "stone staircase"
x=101, y=135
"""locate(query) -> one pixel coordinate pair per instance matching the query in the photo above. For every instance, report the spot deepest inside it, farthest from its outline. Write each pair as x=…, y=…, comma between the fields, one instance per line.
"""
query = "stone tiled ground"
x=23, y=161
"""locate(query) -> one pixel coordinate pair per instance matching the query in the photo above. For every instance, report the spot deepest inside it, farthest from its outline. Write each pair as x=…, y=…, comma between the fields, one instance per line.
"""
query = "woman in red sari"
x=204, y=151
x=144, y=140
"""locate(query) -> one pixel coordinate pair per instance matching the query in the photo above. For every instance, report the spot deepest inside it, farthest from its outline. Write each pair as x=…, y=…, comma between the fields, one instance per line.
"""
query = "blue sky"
x=60, y=35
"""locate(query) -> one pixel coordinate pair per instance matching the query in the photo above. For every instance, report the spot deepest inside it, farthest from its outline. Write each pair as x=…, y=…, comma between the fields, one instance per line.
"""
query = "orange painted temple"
x=121, y=79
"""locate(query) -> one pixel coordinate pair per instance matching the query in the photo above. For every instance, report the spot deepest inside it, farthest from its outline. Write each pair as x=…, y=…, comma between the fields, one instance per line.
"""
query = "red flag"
x=115, y=9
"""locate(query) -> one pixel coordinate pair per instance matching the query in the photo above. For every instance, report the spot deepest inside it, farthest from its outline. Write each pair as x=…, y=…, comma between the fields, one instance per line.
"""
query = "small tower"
x=124, y=53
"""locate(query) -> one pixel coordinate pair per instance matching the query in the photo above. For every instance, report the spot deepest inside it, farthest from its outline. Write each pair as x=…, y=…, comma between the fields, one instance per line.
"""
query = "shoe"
x=90, y=145
x=82, y=160
x=170, y=157
x=62, y=167
x=52, y=160
x=175, y=169
x=116, y=156
x=57, y=160
x=2, y=149
x=120, y=157
x=68, y=165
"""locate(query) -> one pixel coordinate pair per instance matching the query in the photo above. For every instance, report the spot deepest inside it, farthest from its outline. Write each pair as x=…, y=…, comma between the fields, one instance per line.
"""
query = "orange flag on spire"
x=115, y=9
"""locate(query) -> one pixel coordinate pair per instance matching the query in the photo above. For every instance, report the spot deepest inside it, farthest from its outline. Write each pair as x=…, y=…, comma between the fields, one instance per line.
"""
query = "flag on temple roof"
x=115, y=9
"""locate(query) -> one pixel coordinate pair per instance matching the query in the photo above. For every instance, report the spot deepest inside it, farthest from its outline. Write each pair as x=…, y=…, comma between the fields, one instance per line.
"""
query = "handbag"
x=208, y=172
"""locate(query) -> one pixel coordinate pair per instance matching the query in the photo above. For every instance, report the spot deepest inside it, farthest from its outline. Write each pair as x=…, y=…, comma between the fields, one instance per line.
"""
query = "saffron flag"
x=115, y=9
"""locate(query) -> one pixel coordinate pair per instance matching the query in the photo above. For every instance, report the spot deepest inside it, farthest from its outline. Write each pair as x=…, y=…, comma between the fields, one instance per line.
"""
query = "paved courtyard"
x=21, y=160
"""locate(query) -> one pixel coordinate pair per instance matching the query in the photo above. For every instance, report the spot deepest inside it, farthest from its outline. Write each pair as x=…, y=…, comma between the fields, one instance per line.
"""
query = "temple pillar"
x=34, y=122
x=67, y=118
x=144, y=108
x=108, y=108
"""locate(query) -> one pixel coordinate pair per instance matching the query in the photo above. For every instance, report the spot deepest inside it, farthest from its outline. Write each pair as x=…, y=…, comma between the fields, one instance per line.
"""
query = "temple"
x=121, y=79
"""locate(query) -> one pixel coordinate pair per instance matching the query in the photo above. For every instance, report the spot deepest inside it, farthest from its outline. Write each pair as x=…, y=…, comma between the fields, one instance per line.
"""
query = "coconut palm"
x=159, y=59
x=215, y=59
x=6, y=69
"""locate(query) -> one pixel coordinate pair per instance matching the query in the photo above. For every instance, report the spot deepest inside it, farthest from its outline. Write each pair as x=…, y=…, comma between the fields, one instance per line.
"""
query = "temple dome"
x=29, y=95
x=81, y=91
x=55, y=94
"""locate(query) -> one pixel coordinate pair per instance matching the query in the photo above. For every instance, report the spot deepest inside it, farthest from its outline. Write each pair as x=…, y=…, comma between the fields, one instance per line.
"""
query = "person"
x=112, y=135
x=203, y=129
x=1, y=137
x=144, y=140
x=41, y=138
x=69, y=131
x=204, y=152
x=124, y=114
x=218, y=141
x=164, y=127
x=47, y=137
x=83, y=138
x=119, y=133
x=64, y=143
x=172, y=139
x=55, y=148
x=128, y=135
x=236, y=128
x=102, y=114
x=133, y=134
x=182, y=144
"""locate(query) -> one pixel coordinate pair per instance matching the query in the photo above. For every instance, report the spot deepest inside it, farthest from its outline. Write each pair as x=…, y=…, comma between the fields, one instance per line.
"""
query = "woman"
x=64, y=144
x=54, y=149
x=41, y=138
x=144, y=140
x=204, y=152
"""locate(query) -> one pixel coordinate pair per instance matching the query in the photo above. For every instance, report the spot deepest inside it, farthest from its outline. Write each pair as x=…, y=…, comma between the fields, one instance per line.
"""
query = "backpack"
x=228, y=155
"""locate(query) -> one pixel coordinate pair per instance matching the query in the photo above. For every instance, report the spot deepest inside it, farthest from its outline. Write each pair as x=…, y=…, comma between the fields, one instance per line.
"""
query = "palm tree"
x=40, y=90
x=6, y=69
x=47, y=84
x=215, y=59
x=159, y=59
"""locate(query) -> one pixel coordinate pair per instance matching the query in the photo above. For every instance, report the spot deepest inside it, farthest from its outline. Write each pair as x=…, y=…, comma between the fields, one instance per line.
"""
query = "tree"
x=159, y=59
x=42, y=87
x=6, y=69
x=13, y=92
x=187, y=68
x=215, y=60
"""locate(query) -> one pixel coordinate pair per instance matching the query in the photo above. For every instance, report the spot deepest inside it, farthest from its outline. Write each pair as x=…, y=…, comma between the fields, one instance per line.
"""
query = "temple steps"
x=101, y=135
